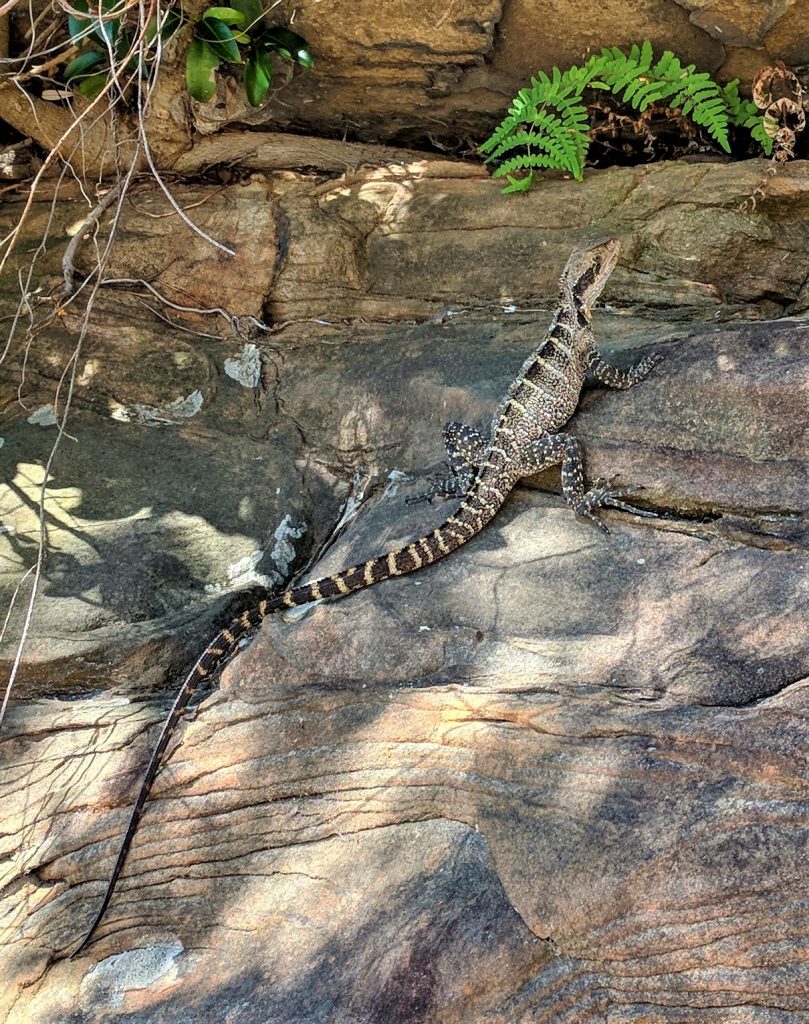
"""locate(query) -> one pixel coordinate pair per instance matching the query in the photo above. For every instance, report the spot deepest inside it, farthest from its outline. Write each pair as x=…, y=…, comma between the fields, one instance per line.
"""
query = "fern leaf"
x=547, y=123
x=631, y=90
x=527, y=137
x=503, y=131
x=668, y=67
x=628, y=74
x=696, y=101
x=654, y=92
x=710, y=109
x=519, y=184
x=759, y=133
x=527, y=161
x=521, y=138
x=730, y=91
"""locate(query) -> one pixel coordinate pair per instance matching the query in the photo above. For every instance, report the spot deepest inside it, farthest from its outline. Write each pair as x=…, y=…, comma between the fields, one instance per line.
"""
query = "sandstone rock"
x=576, y=719
x=427, y=73
x=384, y=243
x=734, y=23
x=524, y=46
x=560, y=775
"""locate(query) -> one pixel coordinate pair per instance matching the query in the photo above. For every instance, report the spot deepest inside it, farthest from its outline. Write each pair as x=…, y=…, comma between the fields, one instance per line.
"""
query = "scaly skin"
x=524, y=438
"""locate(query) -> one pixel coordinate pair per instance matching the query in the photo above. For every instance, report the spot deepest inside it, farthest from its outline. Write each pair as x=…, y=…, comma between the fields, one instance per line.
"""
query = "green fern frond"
x=524, y=162
x=655, y=92
x=548, y=130
x=549, y=116
x=519, y=184
x=550, y=121
x=745, y=114
x=760, y=134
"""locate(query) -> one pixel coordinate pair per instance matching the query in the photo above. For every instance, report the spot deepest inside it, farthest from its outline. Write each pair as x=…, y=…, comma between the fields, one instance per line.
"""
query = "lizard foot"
x=414, y=499
x=440, y=487
x=599, y=496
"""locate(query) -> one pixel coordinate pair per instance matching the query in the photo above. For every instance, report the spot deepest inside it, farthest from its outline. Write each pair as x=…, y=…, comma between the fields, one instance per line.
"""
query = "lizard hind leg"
x=466, y=449
x=567, y=450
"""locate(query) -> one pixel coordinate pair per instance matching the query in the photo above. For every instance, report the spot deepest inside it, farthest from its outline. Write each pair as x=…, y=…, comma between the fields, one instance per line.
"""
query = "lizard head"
x=587, y=271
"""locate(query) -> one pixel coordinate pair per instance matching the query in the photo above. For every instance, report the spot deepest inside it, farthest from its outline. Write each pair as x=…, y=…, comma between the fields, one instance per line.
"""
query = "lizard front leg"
x=466, y=449
x=615, y=378
x=566, y=449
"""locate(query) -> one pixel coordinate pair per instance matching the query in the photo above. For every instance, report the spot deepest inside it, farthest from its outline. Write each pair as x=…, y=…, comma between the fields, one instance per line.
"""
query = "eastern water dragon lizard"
x=524, y=438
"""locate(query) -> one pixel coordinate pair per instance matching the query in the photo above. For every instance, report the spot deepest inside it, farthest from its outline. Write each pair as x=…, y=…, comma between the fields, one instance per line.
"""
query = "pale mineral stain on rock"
x=246, y=367
x=44, y=416
x=151, y=416
x=242, y=573
x=283, y=552
x=107, y=982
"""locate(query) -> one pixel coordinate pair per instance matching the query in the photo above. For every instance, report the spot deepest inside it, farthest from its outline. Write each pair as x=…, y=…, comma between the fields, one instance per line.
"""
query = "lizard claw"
x=600, y=496
x=615, y=503
x=440, y=487
x=613, y=496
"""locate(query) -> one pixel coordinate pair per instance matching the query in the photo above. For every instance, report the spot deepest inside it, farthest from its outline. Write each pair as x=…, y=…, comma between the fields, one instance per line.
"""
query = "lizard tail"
x=218, y=651
x=474, y=512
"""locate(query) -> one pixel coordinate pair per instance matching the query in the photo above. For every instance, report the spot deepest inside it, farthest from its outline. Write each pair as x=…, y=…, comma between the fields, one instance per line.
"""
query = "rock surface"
x=427, y=71
x=429, y=74
x=560, y=776
x=384, y=243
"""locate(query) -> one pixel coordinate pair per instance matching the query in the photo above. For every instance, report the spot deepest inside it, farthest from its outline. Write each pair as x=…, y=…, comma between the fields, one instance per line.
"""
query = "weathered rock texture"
x=560, y=776
x=431, y=74
x=384, y=244
x=428, y=71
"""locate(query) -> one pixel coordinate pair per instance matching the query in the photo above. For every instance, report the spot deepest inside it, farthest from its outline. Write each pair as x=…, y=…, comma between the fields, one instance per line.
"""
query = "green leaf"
x=171, y=22
x=79, y=28
x=104, y=29
x=124, y=42
x=219, y=38
x=80, y=65
x=229, y=15
x=264, y=58
x=256, y=81
x=518, y=184
x=253, y=11
x=91, y=86
x=201, y=62
x=107, y=28
x=288, y=44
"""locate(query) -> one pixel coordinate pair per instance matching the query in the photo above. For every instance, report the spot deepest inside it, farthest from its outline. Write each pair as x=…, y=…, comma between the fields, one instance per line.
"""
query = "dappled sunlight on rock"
x=556, y=776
